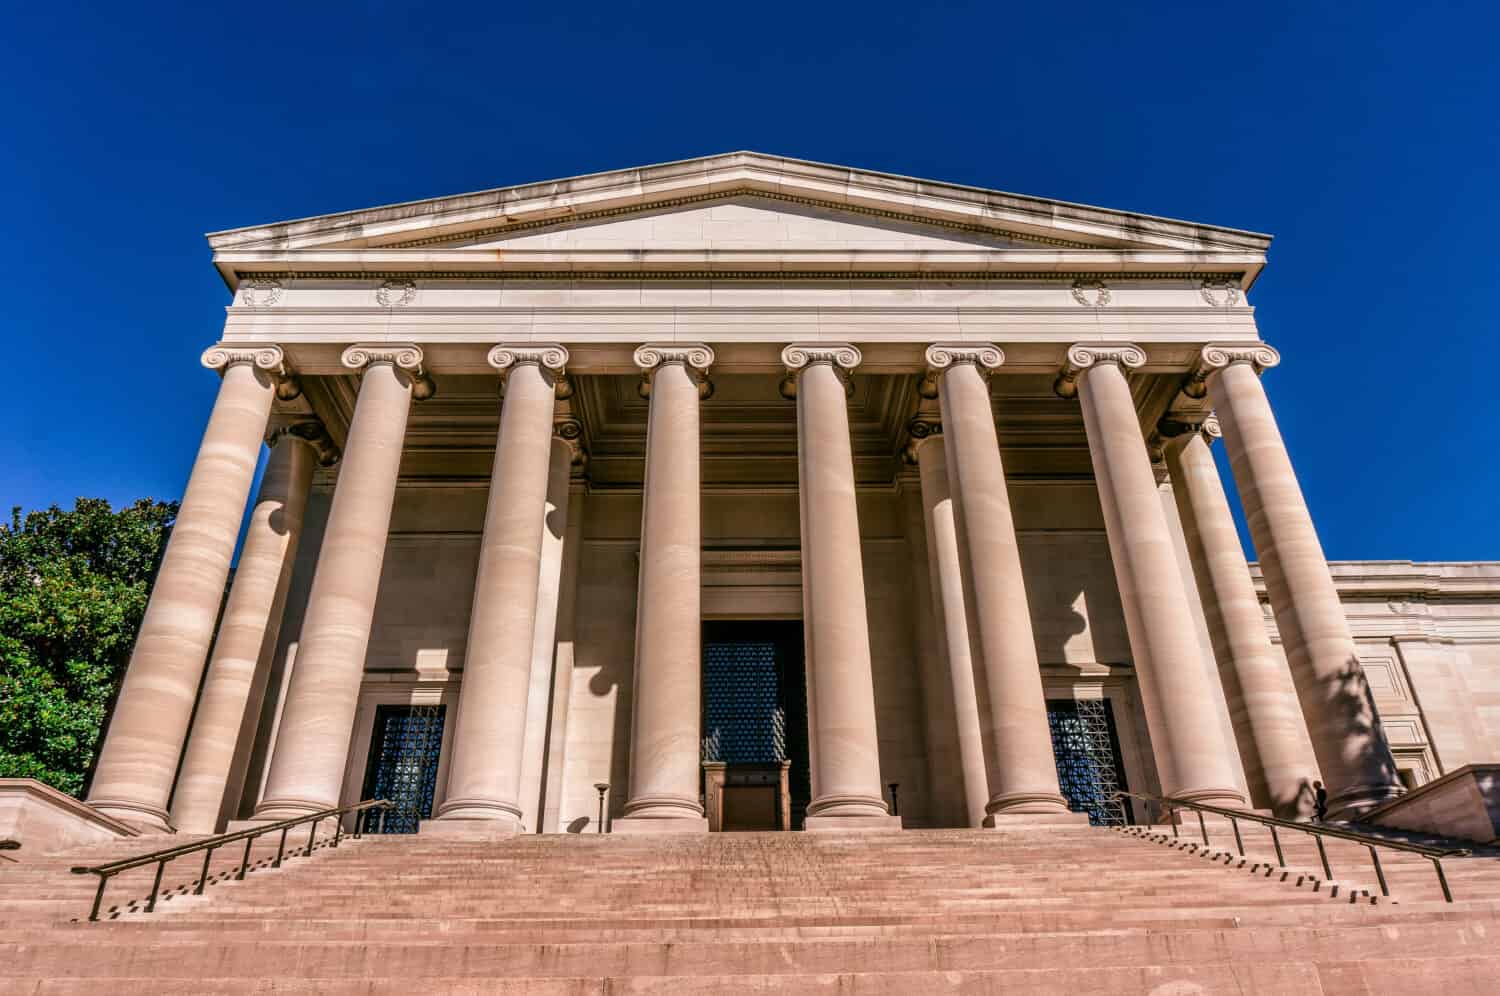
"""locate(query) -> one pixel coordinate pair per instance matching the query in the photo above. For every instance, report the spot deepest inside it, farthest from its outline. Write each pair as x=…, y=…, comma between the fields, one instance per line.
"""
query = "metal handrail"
x=362, y=810
x=1316, y=831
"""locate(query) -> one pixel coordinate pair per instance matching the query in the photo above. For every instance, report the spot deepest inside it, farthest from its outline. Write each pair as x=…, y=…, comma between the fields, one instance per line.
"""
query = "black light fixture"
x=603, y=787
x=895, y=803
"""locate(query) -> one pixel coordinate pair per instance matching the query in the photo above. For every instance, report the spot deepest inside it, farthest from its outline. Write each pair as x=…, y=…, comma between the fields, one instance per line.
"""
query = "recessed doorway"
x=405, y=750
x=755, y=755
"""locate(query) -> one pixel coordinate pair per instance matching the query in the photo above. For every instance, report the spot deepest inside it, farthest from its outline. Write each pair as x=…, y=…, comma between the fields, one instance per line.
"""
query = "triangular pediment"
x=744, y=222
x=739, y=200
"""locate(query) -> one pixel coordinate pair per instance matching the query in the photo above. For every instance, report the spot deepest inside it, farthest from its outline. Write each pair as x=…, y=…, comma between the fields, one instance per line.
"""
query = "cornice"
x=749, y=173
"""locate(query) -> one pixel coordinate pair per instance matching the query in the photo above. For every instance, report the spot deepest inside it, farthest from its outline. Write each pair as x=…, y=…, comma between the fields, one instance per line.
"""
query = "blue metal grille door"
x=1087, y=752
x=742, y=721
x=755, y=699
x=405, y=748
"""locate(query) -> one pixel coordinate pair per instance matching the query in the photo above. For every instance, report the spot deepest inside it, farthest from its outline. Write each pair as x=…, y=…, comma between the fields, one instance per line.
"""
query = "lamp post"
x=603, y=787
x=895, y=803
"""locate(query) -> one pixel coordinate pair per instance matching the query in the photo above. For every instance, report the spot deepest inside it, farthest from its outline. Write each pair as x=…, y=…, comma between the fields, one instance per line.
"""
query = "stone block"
x=1464, y=803
x=45, y=820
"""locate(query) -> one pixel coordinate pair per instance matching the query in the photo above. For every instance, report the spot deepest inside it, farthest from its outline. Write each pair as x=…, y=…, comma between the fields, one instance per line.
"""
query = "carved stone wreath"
x=1220, y=293
x=260, y=293
x=1091, y=293
x=395, y=293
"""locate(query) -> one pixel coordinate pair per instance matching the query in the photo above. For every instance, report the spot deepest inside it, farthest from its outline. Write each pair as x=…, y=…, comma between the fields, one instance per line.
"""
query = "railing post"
x=1203, y=828
x=380, y=823
x=1322, y=854
x=311, y=839
x=1379, y=872
x=203, y=875
x=245, y=861
x=98, y=898
x=280, y=848
x=1437, y=864
x=1276, y=839
x=1172, y=819
x=1238, y=843
x=161, y=866
x=338, y=830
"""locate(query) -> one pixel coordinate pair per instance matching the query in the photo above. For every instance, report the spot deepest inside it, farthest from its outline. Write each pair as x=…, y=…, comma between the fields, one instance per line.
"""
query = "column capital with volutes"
x=1217, y=356
x=265, y=356
x=695, y=358
x=919, y=430
x=841, y=357
x=1084, y=355
x=307, y=430
x=984, y=357
x=405, y=356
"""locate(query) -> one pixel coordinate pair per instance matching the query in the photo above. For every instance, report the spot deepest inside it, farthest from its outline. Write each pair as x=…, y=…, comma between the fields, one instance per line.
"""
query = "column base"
x=143, y=819
x=826, y=824
x=1025, y=821
x=635, y=825
x=455, y=828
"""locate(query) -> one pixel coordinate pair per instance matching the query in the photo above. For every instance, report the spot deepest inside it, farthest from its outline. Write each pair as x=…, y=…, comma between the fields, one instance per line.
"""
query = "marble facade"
x=525, y=442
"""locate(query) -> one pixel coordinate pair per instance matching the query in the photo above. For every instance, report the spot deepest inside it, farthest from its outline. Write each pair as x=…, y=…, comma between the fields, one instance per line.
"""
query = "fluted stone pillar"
x=665, y=751
x=844, y=749
x=1022, y=769
x=1263, y=700
x=947, y=589
x=489, y=741
x=317, y=721
x=1193, y=757
x=241, y=658
x=138, y=762
x=1340, y=713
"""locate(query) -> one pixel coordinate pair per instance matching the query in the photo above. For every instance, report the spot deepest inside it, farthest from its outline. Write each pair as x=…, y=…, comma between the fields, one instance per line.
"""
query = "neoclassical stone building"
x=747, y=492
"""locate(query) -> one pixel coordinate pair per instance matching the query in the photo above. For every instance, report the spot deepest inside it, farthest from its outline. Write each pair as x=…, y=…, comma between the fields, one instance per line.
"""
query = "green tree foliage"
x=73, y=587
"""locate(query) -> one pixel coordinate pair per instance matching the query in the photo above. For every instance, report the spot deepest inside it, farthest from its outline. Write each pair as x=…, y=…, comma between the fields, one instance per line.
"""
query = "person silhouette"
x=1320, y=802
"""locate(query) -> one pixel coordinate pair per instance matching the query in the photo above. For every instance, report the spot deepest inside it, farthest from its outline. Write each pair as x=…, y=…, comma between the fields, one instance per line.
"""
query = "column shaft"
x=1193, y=758
x=1263, y=699
x=1340, y=713
x=845, y=749
x=317, y=721
x=1022, y=770
x=665, y=751
x=484, y=775
x=948, y=606
x=544, y=638
x=247, y=636
x=553, y=762
x=138, y=761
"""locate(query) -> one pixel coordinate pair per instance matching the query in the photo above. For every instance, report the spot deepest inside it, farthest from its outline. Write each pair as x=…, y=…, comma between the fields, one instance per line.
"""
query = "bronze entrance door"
x=404, y=752
x=755, y=767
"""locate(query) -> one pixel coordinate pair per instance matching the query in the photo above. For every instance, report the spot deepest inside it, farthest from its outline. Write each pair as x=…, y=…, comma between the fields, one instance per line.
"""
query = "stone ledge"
x=1464, y=803
x=45, y=820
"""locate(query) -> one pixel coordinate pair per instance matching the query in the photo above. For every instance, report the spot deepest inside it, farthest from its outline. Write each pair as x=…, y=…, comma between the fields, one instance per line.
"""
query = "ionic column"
x=947, y=589
x=312, y=741
x=252, y=619
x=489, y=742
x=844, y=748
x=1259, y=687
x=1193, y=757
x=665, y=750
x=1346, y=733
x=133, y=780
x=1022, y=769
x=565, y=434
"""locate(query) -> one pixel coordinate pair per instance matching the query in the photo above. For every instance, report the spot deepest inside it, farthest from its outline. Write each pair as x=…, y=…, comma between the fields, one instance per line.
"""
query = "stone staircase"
x=1076, y=910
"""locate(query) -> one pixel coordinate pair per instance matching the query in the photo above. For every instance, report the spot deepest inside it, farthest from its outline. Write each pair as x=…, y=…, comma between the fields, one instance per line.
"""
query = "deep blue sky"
x=1365, y=139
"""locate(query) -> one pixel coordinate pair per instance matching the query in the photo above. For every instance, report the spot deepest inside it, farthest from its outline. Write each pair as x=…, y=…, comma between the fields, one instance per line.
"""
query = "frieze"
x=1091, y=294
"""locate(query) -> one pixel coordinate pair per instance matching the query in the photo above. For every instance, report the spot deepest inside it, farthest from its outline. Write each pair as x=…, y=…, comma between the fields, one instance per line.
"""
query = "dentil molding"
x=1083, y=355
x=1217, y=356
